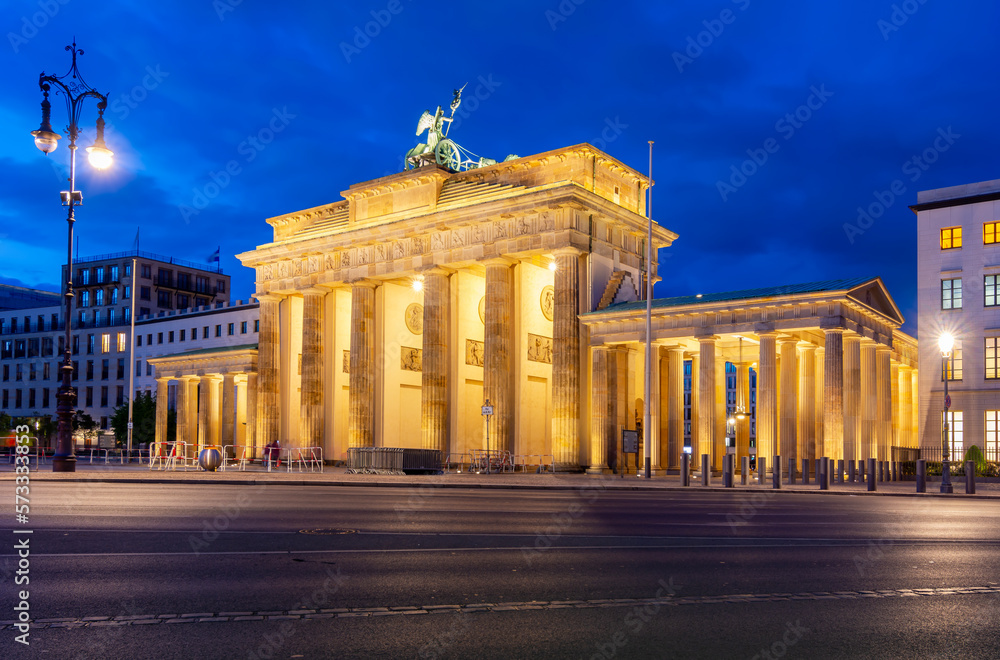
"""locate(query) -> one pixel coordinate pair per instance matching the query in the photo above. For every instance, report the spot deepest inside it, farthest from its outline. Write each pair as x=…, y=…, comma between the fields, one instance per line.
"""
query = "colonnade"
x=212, y=409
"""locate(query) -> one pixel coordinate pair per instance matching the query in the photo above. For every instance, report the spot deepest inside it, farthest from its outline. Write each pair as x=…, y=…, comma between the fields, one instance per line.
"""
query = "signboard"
x=487, y=410
x=630, y=442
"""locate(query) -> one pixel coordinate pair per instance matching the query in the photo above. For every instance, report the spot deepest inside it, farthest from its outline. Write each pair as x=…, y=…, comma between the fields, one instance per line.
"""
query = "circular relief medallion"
x=547, y=301
x=414, y=317
x=482, y=310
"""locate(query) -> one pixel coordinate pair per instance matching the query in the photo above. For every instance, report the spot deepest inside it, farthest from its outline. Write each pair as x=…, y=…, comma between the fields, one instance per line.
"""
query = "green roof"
x=745, y=294
x=207, y=351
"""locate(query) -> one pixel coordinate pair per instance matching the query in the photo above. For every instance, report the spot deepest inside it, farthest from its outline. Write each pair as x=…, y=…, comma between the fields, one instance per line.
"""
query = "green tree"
x=82, y=421
x=143, y=421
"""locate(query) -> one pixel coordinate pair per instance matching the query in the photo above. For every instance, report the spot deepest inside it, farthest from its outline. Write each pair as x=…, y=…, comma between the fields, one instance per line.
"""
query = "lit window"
x=991, y=233
x=992, y=440
x=992, y=358
x=954, y=368
x=951, y=294
x=121, y=342
x=951, y=237
x=955, y=432
x=991, y=289
x=105, y=343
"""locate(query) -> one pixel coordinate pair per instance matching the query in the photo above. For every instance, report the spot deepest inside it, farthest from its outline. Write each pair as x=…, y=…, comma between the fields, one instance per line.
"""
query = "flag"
x=214, y=257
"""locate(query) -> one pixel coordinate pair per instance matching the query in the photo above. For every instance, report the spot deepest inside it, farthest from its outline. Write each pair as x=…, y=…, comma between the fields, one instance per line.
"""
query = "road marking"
x=470, y=608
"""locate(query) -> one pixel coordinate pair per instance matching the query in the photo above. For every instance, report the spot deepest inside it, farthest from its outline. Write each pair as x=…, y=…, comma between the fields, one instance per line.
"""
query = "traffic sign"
x=947, y=401
x=487, y=410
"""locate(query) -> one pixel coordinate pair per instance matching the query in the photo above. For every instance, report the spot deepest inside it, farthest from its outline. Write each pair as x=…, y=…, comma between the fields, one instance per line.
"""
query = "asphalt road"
x=273, y=571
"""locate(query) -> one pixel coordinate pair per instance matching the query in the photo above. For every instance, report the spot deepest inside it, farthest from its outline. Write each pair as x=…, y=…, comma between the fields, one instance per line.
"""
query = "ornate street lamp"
x=75, y=89
x=945, y=343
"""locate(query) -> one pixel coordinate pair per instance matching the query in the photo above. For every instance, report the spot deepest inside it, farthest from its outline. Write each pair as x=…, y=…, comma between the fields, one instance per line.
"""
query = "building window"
x=105, y=343
x=114, y=273
x=954, y=362
x=32, y=375
x=256, y=325
x=183, y=301
x=45, y=397
x=991, y=289
x=90, y=344
x=204, y=332
x=147, y=272
x=76, y=370
x=194, y=334
x=128, y=292
x=138, y=367
x=159, y=337
x=184, y=281
x=138, y=340
x=165, y=277
x=201, y=284
x=951, y=294
x=121, y=368
x=90, y=370
x=955, y=434
x=120, y=396
x=85, y=276
x=992, y=358
x=31, y=398
x=218, y=330
x=231, y=329
x=114, y=296
x=100, y=274
x=149, y=339
x=46, y=371
x=951, y=237
x=6, y=399
x=84, y=299
x=17, y=398
x=183, y=334
x=991, y=233
x=128, y=269
x=97, y=318
x=170, y=337
x=121, y=342
x=18, y=372
x=992, y=449
x=99, y=297
x=165, y=299
x=144, y=293
x=90, y=397
x=220, y=286
x=243, y=328
x=149, y=369
x=6, y=372
x=127, y=314
x=105, y=369
x=76, y=345
x=104, y=397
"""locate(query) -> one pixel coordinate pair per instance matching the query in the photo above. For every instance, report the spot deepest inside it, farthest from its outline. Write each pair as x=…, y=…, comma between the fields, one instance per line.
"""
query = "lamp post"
x=75, y=89
x=945, y=343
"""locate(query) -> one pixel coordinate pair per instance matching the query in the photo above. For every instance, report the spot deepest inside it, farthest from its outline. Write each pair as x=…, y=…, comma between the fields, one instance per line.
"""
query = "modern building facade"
x=32, y=337
x=426, y=294
x=958, y=266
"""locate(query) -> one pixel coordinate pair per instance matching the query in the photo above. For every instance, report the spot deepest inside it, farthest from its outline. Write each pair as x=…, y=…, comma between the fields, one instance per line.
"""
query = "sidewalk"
x=338, y=476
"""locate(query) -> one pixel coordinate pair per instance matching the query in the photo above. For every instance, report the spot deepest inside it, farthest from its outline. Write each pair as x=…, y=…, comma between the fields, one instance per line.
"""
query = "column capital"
x=163, y=380
x=499, y=261
x=707, y=338
x=268, y=297
x=788, y=340
x=314, y=291
x=365, y=283
x=567, y=251
x=832, y=329
x=435, y=269
x=882, y=348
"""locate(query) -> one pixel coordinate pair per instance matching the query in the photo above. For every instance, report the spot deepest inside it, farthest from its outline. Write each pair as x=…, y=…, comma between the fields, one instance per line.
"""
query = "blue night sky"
x=839, y=97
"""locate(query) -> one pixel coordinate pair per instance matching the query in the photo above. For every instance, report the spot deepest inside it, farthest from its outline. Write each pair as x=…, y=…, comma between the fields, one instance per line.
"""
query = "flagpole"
x=647, y=431
x=131, y=370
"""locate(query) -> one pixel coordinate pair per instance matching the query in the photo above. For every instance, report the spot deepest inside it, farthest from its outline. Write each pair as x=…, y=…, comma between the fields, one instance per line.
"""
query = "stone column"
x=252, y=438
x=214, y=411
x=600, y=418
x=183, y=410
x=311, y=419
x=914, y=409
x=883, y=396
x=719, y=448
x=817, y=449
x=204, y=408
x=833, y=391
x=162, y=401
x=767, y=397
x=434, y=373
x=499, y=347
x=268, y=402
x=566, y=360
x=707, y=426
x=806, y=441
x=788, y=430
x=693, y=389
x=852, y=396
x=743, y=426
x=905, y=414
x=869, y=402
x=361, y=395
x=654, y=410
x=894, y=438
x=228, y=409
x=240, y=401
x=617, y=371
x=675, y=405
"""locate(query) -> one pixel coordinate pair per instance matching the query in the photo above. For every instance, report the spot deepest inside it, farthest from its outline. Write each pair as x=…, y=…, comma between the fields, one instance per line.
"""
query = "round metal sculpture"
x=209, y=459
x=446, y=153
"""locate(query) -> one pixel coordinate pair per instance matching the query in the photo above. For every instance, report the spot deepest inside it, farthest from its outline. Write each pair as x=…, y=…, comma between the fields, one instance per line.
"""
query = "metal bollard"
x=824, y=473
x=728, y=463
x=861, y=470
x=805, y=471
x=871, y=475
x=791, y=471
x=897, y=474
x=706, y=475
x=840, y=471
x=685, y=469
x=970, y=477
x=744, y=470
x=850, y=472
x=761, y=470
x=776, y=474
x=921, y=475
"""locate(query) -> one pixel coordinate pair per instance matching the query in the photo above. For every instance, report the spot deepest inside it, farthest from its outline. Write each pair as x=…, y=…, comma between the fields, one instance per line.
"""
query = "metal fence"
x=392, y=460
